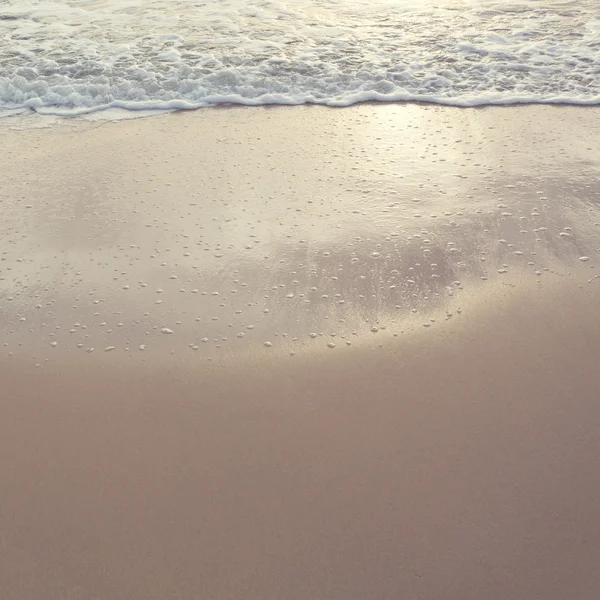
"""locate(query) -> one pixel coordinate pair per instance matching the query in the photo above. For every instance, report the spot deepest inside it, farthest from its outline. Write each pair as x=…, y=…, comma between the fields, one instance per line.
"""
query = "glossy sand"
x=302, y=353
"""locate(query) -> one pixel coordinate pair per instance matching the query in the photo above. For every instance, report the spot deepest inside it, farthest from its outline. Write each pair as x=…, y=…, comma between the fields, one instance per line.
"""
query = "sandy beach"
x=301, y=353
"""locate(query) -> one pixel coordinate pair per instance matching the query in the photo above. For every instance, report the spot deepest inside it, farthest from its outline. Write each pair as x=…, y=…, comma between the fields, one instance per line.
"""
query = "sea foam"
x=67, y=57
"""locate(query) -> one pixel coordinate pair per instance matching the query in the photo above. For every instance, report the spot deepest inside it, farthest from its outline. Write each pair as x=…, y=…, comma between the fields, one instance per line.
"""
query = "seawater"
x=68, y=57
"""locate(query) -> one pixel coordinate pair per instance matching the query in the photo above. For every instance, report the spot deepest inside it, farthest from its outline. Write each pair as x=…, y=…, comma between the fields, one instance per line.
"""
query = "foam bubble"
x=61, y=58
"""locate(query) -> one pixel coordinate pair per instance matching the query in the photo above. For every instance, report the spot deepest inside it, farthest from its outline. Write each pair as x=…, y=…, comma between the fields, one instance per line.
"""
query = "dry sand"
x=436, y=438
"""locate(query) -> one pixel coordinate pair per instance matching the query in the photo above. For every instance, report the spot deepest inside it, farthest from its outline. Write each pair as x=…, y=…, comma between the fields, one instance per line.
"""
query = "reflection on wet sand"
x=228, y=239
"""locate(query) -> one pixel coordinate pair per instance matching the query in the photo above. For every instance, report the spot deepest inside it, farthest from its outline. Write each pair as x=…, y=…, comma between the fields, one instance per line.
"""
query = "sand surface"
x=302, y=353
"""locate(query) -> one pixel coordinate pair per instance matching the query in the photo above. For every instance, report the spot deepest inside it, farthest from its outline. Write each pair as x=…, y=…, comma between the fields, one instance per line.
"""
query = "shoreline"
x=86, y=117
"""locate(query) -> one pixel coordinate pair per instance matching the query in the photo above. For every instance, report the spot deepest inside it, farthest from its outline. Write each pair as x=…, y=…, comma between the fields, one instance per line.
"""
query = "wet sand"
x=302, y=353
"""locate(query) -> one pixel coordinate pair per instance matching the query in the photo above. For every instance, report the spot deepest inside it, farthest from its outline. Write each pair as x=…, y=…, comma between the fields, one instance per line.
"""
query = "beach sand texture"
x=302, y=353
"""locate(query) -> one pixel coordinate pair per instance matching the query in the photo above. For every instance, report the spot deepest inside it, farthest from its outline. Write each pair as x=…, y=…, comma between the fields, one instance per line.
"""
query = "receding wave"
x=72, y=57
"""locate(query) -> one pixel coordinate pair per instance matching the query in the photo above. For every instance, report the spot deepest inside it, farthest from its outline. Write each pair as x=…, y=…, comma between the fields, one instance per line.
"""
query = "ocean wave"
x=69, y=58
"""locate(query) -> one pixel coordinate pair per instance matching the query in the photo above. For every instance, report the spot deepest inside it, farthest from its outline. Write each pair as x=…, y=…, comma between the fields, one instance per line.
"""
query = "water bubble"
x=166, y=330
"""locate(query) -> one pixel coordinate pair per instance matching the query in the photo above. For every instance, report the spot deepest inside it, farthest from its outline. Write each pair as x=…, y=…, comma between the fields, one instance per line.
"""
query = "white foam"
x=74, y=57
